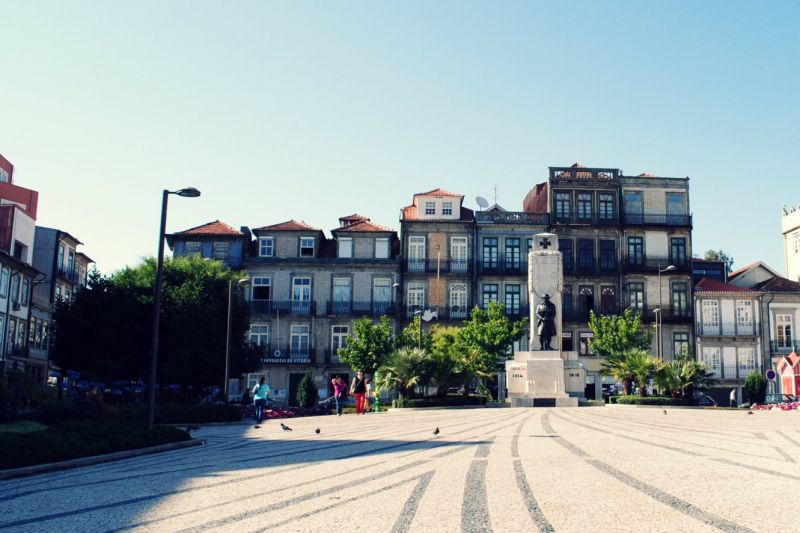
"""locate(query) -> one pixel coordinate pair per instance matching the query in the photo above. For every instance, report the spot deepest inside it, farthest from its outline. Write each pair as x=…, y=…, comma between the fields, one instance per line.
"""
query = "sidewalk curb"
x=96, y=459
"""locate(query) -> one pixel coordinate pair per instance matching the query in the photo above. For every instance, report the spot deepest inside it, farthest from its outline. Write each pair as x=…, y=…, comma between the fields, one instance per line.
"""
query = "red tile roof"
x=289, y=225
x=410, y=213
x=355, y=217
x=439, y=192
x=536, y=199
x=212, y=228
x=365, y=225
x=712, y=285
x=778, y=284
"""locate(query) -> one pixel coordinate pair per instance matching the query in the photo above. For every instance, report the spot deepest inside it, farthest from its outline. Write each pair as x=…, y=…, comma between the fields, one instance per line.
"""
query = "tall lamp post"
x=660, y=318
x=242, y=282
x=190, y=192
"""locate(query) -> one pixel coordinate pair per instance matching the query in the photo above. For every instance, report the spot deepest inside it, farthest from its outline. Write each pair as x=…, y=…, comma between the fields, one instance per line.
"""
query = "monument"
x=536, y=377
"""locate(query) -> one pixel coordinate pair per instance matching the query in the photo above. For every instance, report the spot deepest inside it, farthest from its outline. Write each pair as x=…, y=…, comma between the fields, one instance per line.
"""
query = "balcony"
x=657, y=219
x=373, y=309
x=733, y=372
x=727, y=329
x=784, y=347
x=286, y=307
x=670, y=316
x=512, y=217
x=503, y=268
x=594, y=220
x=331, y=357
x=443, y=266
x=69, y=274
x=654, y=264
x=285, y=355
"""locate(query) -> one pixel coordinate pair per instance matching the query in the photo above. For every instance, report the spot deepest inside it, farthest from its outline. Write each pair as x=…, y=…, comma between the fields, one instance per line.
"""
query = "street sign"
x=770, y=374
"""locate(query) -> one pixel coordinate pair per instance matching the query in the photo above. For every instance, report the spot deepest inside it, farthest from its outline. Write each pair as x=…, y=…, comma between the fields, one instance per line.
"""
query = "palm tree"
x=616, y=366
x=643, y=366
x=404, y=370
x=683, y=377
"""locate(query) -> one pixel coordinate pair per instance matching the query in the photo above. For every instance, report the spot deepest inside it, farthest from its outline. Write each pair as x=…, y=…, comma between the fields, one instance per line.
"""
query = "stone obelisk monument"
x=537, y=377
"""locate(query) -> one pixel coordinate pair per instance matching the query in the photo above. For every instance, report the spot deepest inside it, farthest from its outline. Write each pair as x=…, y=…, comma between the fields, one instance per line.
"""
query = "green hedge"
x=648, y=400
x=449, y=401
x=71, y=440
x=613, y=399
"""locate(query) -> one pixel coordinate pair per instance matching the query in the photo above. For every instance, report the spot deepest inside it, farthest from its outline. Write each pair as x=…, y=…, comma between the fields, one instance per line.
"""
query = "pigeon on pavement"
x=316, y=431
x=749, y=412
x=285, y=427
x=257, y=426
x=436, y=431
x=665, y=411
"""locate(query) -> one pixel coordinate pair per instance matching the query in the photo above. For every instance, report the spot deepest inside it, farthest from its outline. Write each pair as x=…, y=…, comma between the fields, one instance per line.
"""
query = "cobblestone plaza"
x=572, y=469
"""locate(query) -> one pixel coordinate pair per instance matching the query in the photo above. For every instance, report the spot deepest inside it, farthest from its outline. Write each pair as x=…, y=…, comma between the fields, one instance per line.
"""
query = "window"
x=608, y=300
x=489, y=294
x=566, y=303
x=608, y=256
x=744, y=317
x=221, y=250
x=338, y=339
x=711, y=357
x=262, y=289
x=306, y=246
x=58, y=292
x=585, y=255
x=783, y=329
x=584, y=206
x=341, y=295
x=585, y=348
x=299, y=341
x=796, y=242
x=458, y=254
x=301, y=295
x=680, y=299
x=382, y=295
x=346, y=247
x=680, y=343
x=15, y=288
x=566, y=341
x=635, y=251
x=710, y=309
x=382, y=248
x=266, y=246
x=565, y=247
x=430, y=208
x=3, y=175
x=747, y=360
x=634, y=207
x=61, y=256
x=44, y=337
x=67, y=295
x=586, y=300
x=530, y=247
x=416, y=254
x=12, y=332
x=415, y=297
x=606, y=211
x=193, y=249
x=447, y=208
x=25, y=291
x=677, y=251
x=490, y=253
x=259, y=334
x=512, y=299
x=512, y=253
x=676, y=208
x=4, y=282
x=458, y=300
x=563, y=207
x=636, y=297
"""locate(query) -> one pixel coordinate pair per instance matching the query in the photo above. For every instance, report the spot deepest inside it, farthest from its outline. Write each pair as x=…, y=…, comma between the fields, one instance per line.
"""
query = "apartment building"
x=213, y=240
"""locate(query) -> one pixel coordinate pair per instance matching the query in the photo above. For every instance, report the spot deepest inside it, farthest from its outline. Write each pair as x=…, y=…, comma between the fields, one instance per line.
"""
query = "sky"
x=315, y=110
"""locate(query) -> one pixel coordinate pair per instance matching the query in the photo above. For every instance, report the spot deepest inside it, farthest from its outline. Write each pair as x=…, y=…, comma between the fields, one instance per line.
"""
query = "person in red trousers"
x=359, y=390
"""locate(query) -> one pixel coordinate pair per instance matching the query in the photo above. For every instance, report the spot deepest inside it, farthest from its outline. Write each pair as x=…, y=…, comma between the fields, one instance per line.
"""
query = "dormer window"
x=447, y=208
x=346, y=247
x=221, y=250
x=382, y=248
x=306, y=246
x=266, y=246
x=430, y=208
x=192, y=249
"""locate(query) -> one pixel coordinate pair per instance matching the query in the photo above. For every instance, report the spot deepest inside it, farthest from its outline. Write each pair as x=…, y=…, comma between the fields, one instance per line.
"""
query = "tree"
x=486, y=337
x=756, y=386
x=719, y=255
x=643, y=366
x=682, y=377
x=616, y=334
x=307, y=394
x=403, y=370
x=410, y=336
x=369, y=345
x=105, y=331
x=443, y=359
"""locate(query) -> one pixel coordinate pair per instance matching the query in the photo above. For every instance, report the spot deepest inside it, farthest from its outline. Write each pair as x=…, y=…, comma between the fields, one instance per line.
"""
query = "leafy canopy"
x=369, y=345
x=487, y=336
x=616, y=334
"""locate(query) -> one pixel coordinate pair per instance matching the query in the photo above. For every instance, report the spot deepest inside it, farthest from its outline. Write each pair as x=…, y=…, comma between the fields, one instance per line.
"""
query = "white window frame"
x=447, y=208
x=259, y=334
x=458, y=299
x=345, y=246
x=260, y=281
x=712, y=357
x=784, y=330
x=339, y=334
x=459, y=253
x=382, y=248
x=194, y=253
x=430, y=208
x=584, y=346
x=304, y=246
x=300, y=332
x=221, y=250
x=746, y=359
x=4, y=279
x=710, y=312
x=266, y=246
x=415, y=296
x=744, y=313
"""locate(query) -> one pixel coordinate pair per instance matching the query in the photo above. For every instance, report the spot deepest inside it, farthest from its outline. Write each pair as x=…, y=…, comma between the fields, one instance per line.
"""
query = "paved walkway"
x=582, y=469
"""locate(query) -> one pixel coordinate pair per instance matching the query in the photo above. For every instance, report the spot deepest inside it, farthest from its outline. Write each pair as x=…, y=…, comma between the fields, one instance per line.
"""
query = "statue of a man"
x=546, y=322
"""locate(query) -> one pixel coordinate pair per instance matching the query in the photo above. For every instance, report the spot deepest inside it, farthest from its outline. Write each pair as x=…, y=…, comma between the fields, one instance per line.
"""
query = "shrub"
x=756, y=386
x=450, y=401
x=613, y=399
x=307, y=394
x=630, y=399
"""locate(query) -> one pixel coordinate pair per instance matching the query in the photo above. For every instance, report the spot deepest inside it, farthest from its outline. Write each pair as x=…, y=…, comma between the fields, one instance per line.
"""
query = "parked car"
x=350, y=401
x=704, y=400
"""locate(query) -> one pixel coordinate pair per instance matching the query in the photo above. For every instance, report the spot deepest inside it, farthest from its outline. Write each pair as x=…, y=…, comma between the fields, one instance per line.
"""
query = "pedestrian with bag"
x=359, y=389
x=260, y=395
x=339, y=393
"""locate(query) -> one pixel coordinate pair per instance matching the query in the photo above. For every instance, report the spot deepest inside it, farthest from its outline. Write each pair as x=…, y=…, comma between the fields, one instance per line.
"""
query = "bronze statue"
x=546, y=322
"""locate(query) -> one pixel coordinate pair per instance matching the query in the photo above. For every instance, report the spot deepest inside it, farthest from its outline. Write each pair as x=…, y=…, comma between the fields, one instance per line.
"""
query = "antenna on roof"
x=481, y=201
x=495, y=195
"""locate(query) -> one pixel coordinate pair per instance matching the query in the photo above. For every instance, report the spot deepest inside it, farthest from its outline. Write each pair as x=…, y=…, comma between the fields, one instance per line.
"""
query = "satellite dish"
x=481, y=201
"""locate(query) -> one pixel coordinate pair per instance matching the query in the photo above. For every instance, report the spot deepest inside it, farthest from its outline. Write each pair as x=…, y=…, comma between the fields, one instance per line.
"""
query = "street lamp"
x=190, y=192
x=660, y=317
x=242, y=282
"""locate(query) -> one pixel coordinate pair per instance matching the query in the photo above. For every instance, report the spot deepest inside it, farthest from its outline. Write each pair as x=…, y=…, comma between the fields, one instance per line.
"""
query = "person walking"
x=368, y=399
x=359, y=389
x=733, y=398
x=339, y=391
x=260, y=395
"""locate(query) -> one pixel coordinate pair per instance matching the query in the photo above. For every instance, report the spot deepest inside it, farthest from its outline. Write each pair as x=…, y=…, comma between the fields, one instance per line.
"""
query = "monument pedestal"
x=537, y=378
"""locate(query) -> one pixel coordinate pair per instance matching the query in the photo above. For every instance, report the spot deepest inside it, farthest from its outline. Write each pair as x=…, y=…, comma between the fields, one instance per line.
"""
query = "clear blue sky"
x=316, y=110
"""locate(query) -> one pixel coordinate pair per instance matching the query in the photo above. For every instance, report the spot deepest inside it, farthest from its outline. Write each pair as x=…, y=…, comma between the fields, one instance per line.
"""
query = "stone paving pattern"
x=572, y=469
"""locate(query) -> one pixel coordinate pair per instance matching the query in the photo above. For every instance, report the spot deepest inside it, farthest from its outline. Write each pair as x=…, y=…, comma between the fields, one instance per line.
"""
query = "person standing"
x=339, y=390
x=359, y=389
x=368, y=399
x=260, y=395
